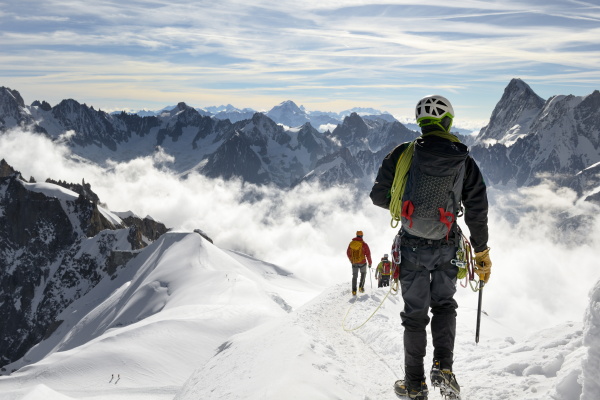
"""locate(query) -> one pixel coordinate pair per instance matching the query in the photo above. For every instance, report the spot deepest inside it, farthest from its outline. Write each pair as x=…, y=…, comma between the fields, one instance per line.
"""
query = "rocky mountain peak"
x=7, y=93
x=12, y=110
x=513, y=115
x=590, y=105
x=517, y=85
x=262, y=125
x=70, y=104
x=83, y=189
x=288, y=105
x=351, y=131
x=289, y=114
x=6, y=170
x=43, y=105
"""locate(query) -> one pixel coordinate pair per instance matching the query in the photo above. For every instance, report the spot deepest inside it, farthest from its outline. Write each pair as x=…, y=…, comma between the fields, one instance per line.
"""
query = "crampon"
x=445, y=380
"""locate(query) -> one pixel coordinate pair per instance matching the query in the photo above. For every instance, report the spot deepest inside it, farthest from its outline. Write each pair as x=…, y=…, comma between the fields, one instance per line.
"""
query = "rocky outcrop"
x=5, y=169
x=55, y=246
x=143, y=231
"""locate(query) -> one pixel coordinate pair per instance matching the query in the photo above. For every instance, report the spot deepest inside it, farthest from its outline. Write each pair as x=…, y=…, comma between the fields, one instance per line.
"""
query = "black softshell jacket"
x=474, y=194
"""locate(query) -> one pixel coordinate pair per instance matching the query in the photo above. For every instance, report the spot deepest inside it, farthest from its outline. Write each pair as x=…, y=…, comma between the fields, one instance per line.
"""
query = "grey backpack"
x=431, y=199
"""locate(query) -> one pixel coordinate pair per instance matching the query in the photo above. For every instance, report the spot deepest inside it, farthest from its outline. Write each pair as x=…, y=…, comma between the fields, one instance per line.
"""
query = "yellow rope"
x=399, y=183
x=401, y=175
x=393, y=287
x=370, y=316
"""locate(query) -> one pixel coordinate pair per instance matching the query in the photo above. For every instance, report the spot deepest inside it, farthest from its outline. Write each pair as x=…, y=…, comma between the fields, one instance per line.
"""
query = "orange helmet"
x=359, y=233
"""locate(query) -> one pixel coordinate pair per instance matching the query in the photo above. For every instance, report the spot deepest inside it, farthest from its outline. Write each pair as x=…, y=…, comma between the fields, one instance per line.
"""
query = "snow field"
x=235, y=327
x=309, y=354
x=156, y=326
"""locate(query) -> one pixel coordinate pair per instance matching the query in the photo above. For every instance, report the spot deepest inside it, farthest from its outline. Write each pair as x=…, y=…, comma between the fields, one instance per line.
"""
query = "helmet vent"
x=433, y=107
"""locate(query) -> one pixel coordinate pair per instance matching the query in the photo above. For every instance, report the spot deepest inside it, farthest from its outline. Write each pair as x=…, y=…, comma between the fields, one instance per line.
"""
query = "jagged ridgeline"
x=527, y=138
x=260, y=149
x=56, y=243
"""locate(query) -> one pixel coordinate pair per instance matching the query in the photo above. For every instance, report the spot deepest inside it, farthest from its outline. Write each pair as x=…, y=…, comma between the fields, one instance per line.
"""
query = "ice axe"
x=481, y=285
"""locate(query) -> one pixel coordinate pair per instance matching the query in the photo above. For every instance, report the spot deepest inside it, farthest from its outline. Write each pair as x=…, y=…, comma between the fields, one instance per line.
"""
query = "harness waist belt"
x=409, y=265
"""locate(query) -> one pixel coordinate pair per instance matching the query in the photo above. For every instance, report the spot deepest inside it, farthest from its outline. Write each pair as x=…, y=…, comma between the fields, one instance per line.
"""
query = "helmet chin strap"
x=436, y=124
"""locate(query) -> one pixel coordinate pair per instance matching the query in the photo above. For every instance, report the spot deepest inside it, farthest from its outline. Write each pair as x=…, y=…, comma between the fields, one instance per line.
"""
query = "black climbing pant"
x=428, y=281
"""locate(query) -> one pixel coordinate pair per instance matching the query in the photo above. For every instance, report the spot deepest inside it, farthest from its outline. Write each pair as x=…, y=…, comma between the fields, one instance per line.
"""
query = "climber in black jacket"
x=427, y=275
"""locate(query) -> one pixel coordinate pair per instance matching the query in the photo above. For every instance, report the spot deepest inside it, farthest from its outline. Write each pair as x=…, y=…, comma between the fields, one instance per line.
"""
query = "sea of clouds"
x=544, y=240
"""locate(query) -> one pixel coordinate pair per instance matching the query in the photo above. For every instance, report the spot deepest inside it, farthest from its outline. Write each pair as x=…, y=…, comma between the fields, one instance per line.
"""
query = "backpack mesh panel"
x=431, y=193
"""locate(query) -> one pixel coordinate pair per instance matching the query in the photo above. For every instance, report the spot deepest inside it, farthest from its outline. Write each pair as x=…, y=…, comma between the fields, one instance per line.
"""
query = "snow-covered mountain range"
x=286, y=113
x=258, y=149
x=526, y=139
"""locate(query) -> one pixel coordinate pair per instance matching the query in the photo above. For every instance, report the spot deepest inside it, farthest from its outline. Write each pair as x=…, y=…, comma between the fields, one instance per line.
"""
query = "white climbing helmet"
x=433, y=107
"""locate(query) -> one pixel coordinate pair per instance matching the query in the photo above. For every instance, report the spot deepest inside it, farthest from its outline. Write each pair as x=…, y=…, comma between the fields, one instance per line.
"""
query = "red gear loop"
x=446, y=218
x=408, y=209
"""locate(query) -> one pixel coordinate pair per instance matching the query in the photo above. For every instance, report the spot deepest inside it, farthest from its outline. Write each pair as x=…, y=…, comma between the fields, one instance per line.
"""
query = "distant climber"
x=383, y=272
x=359, y=254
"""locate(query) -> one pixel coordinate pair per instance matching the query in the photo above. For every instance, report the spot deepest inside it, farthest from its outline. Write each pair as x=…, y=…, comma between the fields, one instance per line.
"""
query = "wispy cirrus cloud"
x=384, y=54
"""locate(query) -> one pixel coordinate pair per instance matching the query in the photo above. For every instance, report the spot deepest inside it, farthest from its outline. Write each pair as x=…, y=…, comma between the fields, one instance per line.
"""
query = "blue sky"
x=328, y=55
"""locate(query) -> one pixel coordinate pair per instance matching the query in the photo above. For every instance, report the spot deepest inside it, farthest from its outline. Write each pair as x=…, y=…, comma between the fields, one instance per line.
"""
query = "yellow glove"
x=483, y=265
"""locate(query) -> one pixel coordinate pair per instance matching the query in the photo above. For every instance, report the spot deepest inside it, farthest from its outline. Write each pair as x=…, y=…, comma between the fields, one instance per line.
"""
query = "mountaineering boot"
x=362, y=290
x=354, y=293
x=445, y=380
x=405, y=391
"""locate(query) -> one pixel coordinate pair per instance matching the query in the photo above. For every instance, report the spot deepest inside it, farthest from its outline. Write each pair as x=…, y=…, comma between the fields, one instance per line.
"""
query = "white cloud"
x=327, y=127
x=316, y=52
x=64, y=137
x=41, y=18
x=541, y=274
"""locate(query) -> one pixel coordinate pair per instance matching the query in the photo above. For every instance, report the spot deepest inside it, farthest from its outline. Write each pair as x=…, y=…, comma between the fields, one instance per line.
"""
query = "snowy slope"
x=187, y=320
x=154, y=328
x=235, y=327
x=315, y=353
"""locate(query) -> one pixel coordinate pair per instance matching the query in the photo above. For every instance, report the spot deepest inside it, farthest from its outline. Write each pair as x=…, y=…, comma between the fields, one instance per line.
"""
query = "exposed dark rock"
x=117, y=259
x=203, y=234
x=42, y=105
x=53, y=250
x=6, y=170
x=83, y=189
